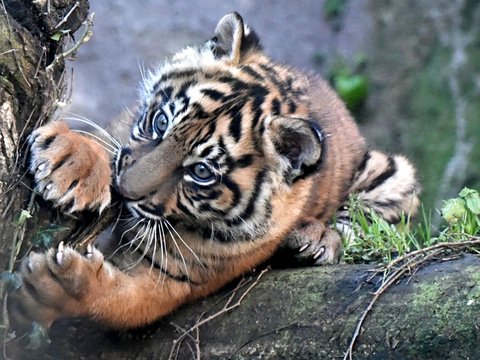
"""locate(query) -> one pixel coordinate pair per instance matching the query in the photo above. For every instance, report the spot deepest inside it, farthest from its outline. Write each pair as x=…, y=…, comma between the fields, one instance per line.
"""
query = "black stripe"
x=183, y=208
x=72, y=185
x=233, y=187
x=386, y=203
x=198, y=112
x=292, y=107
x=208, y=195
x=47, y=142
x=205, y=152
x=206, y=207
x=272, y=75
x=244, y=161
x=166, y=93
x=182, y=92
x=249, y=70
x=276, y=108
x=61, y=162
x=213, y=94
x=380, y=179
x=250, y=208
x=235, y=126
x=175, y=74
x=363, y=164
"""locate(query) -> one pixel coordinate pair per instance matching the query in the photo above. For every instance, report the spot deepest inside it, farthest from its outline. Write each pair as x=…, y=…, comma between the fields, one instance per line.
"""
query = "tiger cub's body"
x=230, y=156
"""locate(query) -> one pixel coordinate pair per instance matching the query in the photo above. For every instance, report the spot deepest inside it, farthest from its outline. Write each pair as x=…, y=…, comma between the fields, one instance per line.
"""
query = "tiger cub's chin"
x=230, y=157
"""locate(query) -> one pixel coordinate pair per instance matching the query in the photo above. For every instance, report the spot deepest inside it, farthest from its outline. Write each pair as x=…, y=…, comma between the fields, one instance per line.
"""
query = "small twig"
x=44, y=51
x=225, y=309
x=65, y=18
x=86, y=35
x=8, y=51
x=459, y=244
x=256, y=337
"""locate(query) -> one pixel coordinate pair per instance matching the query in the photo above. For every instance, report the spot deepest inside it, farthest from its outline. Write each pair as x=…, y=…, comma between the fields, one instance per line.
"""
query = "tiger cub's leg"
x=64, y=283
x=70, y=169
x=383, y=183
x=312, y=243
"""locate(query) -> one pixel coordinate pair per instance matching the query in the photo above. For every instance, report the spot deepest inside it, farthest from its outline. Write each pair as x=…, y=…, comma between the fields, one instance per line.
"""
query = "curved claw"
x=319, y=253
x=89, y=252
x=59, y=254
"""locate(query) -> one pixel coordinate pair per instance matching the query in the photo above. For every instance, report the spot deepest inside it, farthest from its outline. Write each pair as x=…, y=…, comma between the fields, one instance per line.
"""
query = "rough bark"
x=29, y=94
x=307, y=313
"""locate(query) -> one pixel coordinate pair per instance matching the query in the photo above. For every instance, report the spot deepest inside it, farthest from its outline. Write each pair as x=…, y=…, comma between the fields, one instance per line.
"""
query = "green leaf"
x=352, y=89
x=333, y=8
x=22, y=218
x=57, y=36
x=44, y=237
x=454, y=210
x=38, y=337
x=472, y=198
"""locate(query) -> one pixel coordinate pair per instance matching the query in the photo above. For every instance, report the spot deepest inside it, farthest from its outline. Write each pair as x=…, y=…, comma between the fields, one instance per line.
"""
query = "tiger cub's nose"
x=125, y=160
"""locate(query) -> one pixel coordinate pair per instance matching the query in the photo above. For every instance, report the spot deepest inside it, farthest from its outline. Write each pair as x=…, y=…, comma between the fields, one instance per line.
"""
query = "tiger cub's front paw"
x=70, y=169
x=58, y=284
x=314, y=244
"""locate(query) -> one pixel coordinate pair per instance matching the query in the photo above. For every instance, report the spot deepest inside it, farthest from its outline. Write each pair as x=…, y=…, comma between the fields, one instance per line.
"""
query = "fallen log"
x=306, y=313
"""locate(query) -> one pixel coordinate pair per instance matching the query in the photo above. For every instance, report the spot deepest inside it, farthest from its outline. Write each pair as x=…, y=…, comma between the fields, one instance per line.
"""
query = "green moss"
x=431, y=303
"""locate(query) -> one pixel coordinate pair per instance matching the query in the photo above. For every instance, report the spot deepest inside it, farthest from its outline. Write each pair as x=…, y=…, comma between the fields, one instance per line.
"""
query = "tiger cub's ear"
x=299, y=142
x=233, y=39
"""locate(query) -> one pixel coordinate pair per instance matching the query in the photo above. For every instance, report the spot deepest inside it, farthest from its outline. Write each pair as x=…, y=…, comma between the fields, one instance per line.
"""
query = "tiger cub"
x=229, y=157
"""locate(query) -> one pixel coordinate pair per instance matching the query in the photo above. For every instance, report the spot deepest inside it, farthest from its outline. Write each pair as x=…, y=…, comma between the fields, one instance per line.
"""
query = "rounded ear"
x=233, y=39
x=301, y=142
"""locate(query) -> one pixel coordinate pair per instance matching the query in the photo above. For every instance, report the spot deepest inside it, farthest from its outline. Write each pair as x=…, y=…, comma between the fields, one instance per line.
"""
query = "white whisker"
x=111, y=149
x=184, y=243
x=104, y=132
x=178, y=249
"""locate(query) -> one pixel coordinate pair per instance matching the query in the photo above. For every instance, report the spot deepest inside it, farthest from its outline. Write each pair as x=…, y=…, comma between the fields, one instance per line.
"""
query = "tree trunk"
x=29, y=95
x=307, y=313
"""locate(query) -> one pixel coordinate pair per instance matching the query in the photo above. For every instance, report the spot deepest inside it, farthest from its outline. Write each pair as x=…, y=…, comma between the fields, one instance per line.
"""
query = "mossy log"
x=307, y=313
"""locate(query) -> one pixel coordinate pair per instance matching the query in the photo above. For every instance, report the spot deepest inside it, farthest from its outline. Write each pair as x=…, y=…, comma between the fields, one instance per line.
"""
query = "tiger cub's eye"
x=159, y=123
x=201, y=173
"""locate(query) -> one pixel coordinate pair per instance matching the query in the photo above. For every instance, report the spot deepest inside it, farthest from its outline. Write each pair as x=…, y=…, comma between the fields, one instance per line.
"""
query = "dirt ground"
x=130, y=34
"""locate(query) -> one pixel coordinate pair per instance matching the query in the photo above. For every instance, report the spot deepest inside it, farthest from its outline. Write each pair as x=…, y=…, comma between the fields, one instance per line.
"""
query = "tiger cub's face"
x=220, y=131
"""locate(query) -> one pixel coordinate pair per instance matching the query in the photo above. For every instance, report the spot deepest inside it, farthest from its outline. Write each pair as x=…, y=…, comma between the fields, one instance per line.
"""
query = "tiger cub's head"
x=221, y=132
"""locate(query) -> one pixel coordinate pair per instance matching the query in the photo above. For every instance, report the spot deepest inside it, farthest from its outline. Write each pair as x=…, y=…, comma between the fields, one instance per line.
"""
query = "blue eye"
x=159, y=123
x=201, y=173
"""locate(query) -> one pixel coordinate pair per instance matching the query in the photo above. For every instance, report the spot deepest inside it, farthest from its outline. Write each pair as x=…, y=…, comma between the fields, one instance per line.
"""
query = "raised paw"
x=314, y=244
x=56, y=284
x=70, y=169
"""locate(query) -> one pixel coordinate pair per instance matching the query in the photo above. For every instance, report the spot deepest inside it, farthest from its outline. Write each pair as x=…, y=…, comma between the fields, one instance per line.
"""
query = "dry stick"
x=177, y=343
x=8, y=51
x=65, y=18
x=86, y=35
x=385, y=286
x=274, y=331
x=433, y=247
x=226, y=308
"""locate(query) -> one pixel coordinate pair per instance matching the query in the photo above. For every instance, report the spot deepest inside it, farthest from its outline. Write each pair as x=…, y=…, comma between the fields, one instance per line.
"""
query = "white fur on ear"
x=230, y=33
